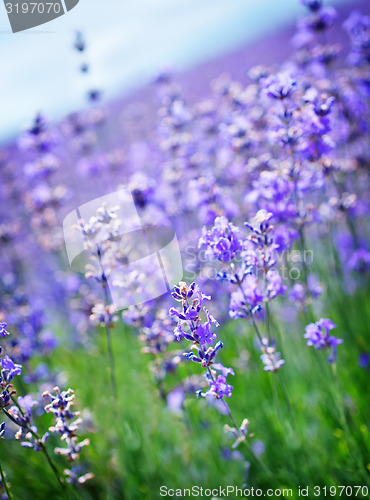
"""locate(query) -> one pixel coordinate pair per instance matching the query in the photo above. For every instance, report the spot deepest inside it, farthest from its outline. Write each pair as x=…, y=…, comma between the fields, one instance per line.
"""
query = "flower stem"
x=343, y=420
x=250, y=313
x=108, y=332
x=246, y=444
x=285, y=394
x=45, y=452
x=111, y=361
x=6, y=488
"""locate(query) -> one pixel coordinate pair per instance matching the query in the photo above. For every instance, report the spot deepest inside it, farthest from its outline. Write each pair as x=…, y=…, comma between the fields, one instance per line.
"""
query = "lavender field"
x=184, y=285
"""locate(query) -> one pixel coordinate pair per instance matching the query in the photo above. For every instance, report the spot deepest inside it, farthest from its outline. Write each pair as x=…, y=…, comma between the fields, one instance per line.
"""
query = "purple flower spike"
x=317, y=335
x=218, y=386
x=278, y=86
x=192, y=328
x=27, y=403
x=10, y=369
x=272, y=361
x=3, y=330
x=221, y=241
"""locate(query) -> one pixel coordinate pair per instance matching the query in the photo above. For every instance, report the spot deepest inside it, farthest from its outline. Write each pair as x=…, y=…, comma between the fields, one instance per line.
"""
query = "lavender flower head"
x=218, y=386
x=190, y=327
x=246, y=298
x=3, y=330
x=278, y=86
x=221, y=241
x=272, y=361
x=317, y=335
x=10, y=369
x=189, y=324
x=66, y=425
x=313, y=5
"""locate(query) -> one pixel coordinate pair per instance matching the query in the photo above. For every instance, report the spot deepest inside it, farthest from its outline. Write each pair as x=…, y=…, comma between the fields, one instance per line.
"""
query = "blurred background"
x=188, y=151
x=128, y=42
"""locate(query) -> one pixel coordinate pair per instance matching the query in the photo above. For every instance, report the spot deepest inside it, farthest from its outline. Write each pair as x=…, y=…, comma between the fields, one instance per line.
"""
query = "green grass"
x=318, y=433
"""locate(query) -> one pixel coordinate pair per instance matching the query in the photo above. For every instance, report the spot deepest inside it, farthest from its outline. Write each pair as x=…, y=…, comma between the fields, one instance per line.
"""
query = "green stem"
x=285, y=394
x=343, y=420
x=268, y=322
x=250, y=313
x=236, y=427
x=246, y=444
x=111, y=361
x=108, y=332
x=4, y=483
x=229, y=413
x=44, y=450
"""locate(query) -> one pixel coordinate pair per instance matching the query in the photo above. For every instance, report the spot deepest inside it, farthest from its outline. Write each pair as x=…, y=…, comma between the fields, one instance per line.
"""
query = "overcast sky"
x=128, y=40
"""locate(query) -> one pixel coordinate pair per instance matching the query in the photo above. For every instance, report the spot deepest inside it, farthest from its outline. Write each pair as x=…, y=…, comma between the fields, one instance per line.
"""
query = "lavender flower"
x=3, y=330
x=313, y=5
x=240, y=433
x=191, y=327
x=10, y=369
x=247, y=298
x=278, y=86
x=271, y=360
x=360, y=260
x=364, y=360
x=219, y=386
x=358, y=28
x=221, y=241
x=275, y=286
x=66, y=425
x=317, y=335
x=27, y=402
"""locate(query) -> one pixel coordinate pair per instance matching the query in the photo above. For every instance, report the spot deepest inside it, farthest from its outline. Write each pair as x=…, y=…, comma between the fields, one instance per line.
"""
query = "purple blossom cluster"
x=254, y=275
x=8, y=372
x=317, y=335
x=258, y=172
x=66, y=426
x=191, y=327
x=19, y=412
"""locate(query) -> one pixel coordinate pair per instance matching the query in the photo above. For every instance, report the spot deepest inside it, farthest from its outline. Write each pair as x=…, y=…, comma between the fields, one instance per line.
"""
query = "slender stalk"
x=352, y=228
x=6, y=488
x=246, y=444
x=300, y=225
x=343, y=420
x=285, y=394
x=111, y=361
x=45, y=452
x=236, y=427
x=108, y=332
x=229, y=413
x=159, y=383
x=268, y=322
x=250, y=313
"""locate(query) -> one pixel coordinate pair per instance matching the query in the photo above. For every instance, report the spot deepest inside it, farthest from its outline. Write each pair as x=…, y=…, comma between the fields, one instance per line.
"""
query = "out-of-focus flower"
x=317, y=335
x=271, y=360
x=278, y=86
x=199, y=333
x=10, y=369
x=3, y=331
x=364, y=360
x=221, y=241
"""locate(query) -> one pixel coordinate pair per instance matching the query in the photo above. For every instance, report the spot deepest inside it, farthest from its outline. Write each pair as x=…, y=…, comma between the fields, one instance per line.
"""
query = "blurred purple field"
x=256, y=164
